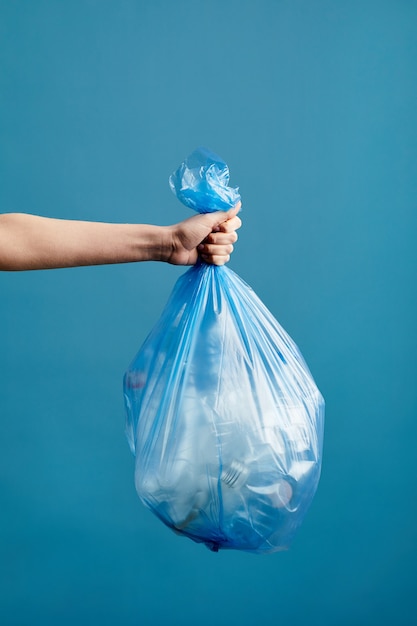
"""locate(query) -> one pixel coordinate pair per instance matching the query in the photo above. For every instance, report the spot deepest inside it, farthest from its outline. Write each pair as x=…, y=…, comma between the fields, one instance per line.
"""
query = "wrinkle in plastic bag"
x=223, y=415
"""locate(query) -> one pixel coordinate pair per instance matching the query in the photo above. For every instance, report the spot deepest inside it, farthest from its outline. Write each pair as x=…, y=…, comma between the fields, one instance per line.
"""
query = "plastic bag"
x=223, y=415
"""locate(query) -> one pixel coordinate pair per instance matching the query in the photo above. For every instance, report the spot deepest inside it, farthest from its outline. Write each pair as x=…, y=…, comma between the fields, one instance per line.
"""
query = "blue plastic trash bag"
x=223, y=415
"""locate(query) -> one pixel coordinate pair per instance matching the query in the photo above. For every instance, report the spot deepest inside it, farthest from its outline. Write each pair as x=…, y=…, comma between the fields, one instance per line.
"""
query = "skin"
x=31, y=242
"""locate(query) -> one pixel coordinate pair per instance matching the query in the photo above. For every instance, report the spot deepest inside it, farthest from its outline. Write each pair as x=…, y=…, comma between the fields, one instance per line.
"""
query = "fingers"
x=215, y=259
x=221, y=238
x=217, y=247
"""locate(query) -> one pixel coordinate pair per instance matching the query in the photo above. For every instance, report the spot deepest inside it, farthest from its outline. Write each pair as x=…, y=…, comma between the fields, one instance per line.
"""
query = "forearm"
x=29, y=242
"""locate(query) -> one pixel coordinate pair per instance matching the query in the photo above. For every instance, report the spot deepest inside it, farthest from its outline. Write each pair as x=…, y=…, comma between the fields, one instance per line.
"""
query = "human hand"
x=209, y=236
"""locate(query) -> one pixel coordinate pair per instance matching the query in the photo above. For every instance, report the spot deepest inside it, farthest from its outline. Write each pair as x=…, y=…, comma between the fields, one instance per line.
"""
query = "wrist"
x=153, y=243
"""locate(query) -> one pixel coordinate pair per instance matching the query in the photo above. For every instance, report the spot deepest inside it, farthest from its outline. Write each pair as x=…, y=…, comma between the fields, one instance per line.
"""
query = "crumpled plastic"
x=223, y=415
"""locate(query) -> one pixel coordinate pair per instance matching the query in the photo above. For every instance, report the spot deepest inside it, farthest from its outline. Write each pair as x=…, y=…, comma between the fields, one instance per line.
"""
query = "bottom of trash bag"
x=233, y=533
x=216, y=546
x=252, y=543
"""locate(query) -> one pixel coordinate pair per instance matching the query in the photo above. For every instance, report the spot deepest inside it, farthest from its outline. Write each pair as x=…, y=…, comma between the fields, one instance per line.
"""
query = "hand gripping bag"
x=223, y=415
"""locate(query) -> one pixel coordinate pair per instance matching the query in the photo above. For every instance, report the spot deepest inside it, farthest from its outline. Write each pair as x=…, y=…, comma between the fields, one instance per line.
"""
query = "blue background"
x=313, y=105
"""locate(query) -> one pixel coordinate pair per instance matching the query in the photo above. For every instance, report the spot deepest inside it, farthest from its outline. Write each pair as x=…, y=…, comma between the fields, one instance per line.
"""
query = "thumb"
x=223, y=216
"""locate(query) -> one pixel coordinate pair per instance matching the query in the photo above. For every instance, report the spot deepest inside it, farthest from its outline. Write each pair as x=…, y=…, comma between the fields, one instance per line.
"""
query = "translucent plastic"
x=223, y=415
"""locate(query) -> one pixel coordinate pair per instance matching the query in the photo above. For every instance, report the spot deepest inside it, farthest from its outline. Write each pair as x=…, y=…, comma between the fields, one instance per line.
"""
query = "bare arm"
x=29, y=242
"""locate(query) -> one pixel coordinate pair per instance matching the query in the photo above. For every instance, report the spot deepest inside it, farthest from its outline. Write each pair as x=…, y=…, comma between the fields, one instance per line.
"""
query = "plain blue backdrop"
x=313, y=105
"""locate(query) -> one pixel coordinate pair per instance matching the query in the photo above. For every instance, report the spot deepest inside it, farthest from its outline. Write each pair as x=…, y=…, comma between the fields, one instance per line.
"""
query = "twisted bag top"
x=223, y=415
